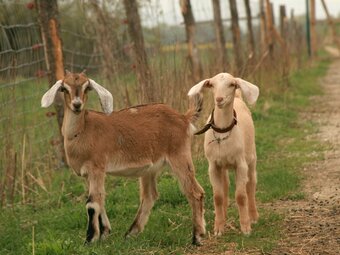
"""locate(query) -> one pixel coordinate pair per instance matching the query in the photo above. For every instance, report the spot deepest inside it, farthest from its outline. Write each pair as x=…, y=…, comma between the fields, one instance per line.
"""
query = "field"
x=54, y=221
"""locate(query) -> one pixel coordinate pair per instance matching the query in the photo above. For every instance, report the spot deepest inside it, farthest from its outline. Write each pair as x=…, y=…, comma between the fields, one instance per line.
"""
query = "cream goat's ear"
x=49, y=96
x=197, y=89
x=249, y=90
x=105, y=96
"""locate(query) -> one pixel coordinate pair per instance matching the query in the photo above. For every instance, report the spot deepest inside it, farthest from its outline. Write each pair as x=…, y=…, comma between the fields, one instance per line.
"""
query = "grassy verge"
x=55, y=223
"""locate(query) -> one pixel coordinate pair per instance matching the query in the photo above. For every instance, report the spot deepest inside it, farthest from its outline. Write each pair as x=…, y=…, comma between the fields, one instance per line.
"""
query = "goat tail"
x=194, y=112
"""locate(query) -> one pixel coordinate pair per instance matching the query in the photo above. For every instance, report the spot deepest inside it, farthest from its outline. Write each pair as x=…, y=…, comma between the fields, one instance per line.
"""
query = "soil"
x=311, y=225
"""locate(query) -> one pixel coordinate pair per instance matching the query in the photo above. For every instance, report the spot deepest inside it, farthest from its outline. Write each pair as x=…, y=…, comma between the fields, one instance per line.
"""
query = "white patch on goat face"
x=67, y=87
x=76, y=95
x=76, y=100
x=85, y=85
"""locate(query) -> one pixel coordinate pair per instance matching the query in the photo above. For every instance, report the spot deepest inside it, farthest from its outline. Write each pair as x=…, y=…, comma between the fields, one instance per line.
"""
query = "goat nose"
x=77, y=105
x=219, y=99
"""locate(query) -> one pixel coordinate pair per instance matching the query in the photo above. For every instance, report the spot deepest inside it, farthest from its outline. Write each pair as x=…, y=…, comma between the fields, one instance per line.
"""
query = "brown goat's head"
x=75, y=87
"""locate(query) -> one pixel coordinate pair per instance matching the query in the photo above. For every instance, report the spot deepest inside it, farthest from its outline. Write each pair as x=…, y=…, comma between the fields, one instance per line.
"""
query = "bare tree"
x=49, y=24
x=221, y=50
x=196, y=67
x=236, y=35
x=142, y=68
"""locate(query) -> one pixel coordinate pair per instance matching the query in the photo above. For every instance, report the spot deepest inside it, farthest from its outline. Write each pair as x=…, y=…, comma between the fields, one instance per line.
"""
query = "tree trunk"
x=189, y=21
x=221, y=51
x=48, y=19
x=236, y=36
x=251, y=40
x=142, y=68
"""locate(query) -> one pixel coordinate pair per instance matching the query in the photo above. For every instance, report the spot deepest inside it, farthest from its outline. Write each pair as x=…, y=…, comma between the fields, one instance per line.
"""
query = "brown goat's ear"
x=49, y=96
x=105, y=96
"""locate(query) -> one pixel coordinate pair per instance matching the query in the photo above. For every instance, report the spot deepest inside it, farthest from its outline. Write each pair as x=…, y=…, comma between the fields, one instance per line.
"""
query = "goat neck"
x=223, y=117
x=73, y=124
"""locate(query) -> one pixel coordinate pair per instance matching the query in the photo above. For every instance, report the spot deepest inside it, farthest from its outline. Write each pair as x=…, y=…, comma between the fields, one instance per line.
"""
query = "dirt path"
x=312, y=226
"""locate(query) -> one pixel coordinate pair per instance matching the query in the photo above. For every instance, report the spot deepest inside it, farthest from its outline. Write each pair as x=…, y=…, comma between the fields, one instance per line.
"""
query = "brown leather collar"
x=212, y=125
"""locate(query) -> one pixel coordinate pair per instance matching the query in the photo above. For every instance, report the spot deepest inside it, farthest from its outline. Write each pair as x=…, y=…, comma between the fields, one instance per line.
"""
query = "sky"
x=168, y=11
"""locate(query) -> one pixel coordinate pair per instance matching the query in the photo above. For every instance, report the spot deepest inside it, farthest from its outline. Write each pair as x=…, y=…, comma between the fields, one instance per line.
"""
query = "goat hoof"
x=133, y=231
x=105, y=234
x=87, y=242
x=218, y=230
x=246, y=230
x=253, y=221
x=254, y=218
x=218, y=233
x=130, y=234
x=197, y=240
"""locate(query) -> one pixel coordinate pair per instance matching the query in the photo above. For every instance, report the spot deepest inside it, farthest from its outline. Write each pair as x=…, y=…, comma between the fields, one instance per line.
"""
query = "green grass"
x=58, y=218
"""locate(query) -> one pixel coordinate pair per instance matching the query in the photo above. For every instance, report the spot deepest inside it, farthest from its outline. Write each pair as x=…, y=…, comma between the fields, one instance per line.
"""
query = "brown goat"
x=134, y=142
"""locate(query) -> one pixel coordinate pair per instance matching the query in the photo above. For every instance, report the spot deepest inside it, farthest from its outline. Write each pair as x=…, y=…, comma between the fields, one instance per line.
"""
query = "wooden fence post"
x=189, y=21
x=142, y=68
x=221, y=50
x=331, y=24
x=283, y=22
x=270, y=28
x=308, y=29
x=236, y=36
x=251, y=40
x=312, y=28
x=263, y=28
x=48, y=19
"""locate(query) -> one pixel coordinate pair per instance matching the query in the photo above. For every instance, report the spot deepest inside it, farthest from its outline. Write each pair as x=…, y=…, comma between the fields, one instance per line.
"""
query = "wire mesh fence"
x=95, y=38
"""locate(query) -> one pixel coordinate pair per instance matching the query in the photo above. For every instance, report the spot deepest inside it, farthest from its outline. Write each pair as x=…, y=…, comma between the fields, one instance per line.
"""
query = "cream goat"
x=134, y=142
x=230, y=143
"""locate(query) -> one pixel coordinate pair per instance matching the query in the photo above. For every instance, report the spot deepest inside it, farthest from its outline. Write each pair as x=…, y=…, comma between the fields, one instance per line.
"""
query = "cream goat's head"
x=224, y=86
x=75, y=87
